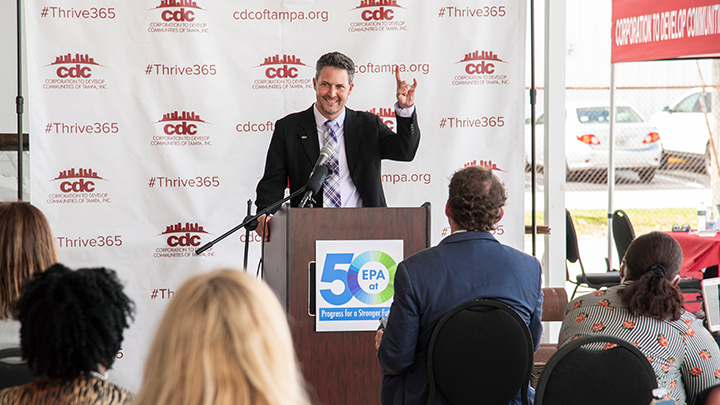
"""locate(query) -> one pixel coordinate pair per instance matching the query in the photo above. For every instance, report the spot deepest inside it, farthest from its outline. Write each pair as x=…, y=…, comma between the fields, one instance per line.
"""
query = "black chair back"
x=480, y=352
x=611, y=371
x=573, y=252
x=591, y=280
x=623, y=232
x=13, y=374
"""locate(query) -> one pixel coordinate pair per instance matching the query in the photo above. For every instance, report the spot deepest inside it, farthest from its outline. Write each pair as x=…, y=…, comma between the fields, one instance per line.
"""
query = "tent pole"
x=19, y=102
x=611, y=166
x=533, y=100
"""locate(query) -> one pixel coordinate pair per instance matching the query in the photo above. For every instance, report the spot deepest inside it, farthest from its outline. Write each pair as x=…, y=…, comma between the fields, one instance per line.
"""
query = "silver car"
x=587, y=131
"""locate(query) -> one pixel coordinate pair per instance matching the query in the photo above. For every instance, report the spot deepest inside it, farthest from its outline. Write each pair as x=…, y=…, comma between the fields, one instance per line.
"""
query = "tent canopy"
x=644, y=30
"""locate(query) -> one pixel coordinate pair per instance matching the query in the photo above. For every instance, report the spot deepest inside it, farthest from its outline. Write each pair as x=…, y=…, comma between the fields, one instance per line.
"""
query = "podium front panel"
x=339, y=367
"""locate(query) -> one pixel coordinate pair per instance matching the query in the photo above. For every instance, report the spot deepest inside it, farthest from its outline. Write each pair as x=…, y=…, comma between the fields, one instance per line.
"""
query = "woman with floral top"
x=646, y=310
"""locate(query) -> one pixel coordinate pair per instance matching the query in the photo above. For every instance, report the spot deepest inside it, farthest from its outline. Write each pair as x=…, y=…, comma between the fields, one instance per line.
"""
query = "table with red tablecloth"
x=699, y=252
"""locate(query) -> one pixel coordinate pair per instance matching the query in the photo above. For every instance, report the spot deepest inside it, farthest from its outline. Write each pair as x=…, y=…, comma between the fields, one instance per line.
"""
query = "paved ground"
x=670, y=188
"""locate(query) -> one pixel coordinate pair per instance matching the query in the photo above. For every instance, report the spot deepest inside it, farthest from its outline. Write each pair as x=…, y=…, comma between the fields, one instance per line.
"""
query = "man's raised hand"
x=405, y=93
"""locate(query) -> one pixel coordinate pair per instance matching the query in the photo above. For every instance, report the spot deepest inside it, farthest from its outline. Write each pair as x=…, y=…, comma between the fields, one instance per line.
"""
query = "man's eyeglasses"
x=678, y=228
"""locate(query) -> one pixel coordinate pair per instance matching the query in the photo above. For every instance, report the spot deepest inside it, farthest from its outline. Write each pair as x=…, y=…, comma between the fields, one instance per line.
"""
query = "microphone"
x=325, y=153
x=313, y=185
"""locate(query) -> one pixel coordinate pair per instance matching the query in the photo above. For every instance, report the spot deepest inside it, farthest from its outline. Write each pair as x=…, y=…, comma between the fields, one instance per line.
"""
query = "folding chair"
x=608, y=370
x=14, y=373
x=592, y=280
x=480, y=352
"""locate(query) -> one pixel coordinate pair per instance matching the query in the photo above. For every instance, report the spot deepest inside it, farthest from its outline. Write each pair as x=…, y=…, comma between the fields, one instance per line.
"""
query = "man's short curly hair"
x=476, y=198
x=336, y=60
x=71, y=321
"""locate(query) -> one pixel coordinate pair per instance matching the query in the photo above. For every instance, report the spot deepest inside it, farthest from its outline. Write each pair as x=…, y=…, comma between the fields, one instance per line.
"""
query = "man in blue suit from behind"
x=468, y=264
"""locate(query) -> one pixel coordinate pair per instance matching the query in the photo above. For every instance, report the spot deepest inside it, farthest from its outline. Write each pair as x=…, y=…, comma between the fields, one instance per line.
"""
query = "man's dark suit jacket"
x=464, y=266
x=294, y=149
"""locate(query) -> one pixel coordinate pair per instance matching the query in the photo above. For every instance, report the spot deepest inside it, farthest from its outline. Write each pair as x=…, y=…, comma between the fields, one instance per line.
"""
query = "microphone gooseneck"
x=313, y=185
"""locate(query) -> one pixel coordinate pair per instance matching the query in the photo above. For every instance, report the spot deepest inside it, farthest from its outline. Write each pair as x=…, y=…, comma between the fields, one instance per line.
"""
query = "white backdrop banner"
x=151, y=119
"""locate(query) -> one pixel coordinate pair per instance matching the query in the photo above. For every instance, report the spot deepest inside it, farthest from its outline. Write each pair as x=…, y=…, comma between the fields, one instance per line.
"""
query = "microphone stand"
x=247, y=237
x=249, y=220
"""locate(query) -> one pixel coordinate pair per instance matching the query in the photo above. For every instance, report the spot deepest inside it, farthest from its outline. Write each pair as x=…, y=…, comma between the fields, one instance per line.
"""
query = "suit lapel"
x=352, y=137
x=308, y=136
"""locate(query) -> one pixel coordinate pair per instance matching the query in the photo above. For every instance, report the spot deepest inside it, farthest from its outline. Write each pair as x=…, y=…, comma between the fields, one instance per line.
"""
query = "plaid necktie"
x=331, y=187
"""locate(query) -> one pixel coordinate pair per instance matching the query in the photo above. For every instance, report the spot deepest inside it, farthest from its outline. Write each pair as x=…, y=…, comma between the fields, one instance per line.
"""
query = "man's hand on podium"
x=263, y=228
x=378, y=338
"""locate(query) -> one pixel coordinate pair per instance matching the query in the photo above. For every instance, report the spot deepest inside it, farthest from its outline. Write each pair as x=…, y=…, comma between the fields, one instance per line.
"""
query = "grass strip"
x=593, y=223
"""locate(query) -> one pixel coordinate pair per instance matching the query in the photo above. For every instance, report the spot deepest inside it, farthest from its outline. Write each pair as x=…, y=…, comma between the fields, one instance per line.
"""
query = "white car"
x=683, y=128
x=587, y=132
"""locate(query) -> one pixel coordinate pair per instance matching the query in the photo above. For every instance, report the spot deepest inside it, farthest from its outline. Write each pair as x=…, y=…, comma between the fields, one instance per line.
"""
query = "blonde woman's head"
x=224, y=339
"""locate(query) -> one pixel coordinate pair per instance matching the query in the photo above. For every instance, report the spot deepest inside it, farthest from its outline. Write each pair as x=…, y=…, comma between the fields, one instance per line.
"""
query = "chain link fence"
x=662, y=160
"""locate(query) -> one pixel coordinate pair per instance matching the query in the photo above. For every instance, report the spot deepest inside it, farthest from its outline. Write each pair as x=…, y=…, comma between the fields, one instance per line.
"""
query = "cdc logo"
x=369, y=277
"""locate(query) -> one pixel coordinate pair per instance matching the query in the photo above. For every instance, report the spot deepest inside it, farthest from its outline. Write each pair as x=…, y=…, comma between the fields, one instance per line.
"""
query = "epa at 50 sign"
x=354, y=285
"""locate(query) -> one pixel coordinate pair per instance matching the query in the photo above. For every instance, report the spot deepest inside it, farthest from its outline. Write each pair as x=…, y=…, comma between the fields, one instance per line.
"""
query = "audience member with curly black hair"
x=72, y=328
x=27, y=246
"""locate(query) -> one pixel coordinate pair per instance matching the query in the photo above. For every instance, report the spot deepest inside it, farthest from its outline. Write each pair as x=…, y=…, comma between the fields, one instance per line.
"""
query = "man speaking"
x=356, y=142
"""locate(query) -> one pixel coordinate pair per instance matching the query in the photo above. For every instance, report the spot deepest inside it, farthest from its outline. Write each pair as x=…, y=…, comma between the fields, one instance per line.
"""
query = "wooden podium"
x=339, y=367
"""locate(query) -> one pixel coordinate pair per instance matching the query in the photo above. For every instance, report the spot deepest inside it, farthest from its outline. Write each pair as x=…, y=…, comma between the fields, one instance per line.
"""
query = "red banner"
x=645, y=30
